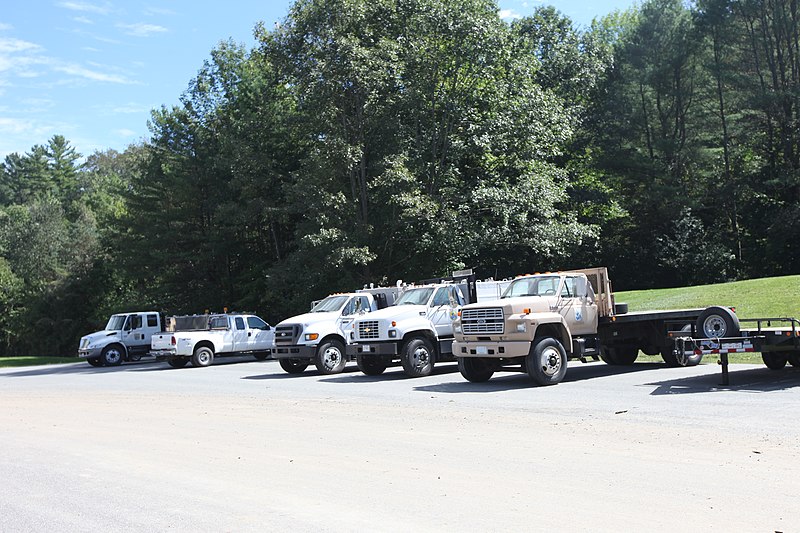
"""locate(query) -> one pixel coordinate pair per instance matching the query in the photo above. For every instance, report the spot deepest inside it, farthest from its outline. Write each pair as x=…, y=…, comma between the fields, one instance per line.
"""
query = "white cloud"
x=83, y=20
x=152, y=11
x=509, y=14
x=94, y=75
x=4, y=26
x=10, y=45
x=141, y=29
x=126, y=133
x=86, y=7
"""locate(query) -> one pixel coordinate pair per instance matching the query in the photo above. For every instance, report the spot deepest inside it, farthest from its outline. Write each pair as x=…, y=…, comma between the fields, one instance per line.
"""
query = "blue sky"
x=92, y=70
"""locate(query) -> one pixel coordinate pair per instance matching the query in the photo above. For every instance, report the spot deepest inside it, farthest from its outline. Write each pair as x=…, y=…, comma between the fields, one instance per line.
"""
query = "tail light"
x=173, y=341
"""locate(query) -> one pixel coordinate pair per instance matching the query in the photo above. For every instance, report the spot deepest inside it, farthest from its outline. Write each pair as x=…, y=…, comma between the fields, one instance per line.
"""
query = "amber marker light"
x=394, y=323
x=526, y=311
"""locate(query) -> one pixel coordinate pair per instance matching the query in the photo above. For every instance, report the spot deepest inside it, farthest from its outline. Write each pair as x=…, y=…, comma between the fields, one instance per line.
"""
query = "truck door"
x=132, y=332
x=240, y=339
x=260, y=334
x=350, y=312
x=579, y=312
x=444, y=310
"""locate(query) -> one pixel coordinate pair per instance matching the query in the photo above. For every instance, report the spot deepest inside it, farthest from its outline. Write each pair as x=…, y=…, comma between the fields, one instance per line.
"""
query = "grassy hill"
x=755, y=298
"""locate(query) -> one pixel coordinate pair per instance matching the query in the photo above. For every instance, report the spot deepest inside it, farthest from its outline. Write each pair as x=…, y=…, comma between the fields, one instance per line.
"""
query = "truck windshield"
x=116, y=322
x=331, y=303
x=415, y=297
x=533, y=286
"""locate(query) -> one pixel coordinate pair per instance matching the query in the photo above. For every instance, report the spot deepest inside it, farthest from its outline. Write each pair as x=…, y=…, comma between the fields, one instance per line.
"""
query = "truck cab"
x=126, y=337
x=320, y=336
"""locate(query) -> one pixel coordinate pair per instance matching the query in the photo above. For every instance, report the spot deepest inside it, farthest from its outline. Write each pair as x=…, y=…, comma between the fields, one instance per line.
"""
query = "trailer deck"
x=776, y=344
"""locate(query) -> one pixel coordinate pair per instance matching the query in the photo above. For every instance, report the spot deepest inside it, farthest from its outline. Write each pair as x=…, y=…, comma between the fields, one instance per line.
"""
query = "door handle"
x=249, y=333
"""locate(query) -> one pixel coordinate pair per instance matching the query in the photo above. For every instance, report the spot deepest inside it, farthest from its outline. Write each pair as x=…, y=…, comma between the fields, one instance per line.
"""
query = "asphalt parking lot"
x=242, y=446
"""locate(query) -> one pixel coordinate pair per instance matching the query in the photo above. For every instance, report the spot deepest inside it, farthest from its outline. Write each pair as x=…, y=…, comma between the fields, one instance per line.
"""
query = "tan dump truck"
x=543, y=320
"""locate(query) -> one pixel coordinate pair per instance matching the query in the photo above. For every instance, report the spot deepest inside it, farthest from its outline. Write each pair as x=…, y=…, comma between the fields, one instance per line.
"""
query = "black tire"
x=715, y=322
x=294, y=366
x=112, y=355
x=620, y=308
x=547, y=361
x=794, y=359
x=261, y=356
x=624, y=354
x=95, y=361
x=418, y=357
x=330, y=357
x=135, y=357
x=178, y=361
x=372, y=365
x=202, y=356
x=774, y=361
x=475, y=369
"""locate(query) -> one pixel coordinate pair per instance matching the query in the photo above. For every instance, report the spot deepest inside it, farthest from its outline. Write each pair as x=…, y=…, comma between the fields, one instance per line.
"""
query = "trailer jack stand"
x=723, y=360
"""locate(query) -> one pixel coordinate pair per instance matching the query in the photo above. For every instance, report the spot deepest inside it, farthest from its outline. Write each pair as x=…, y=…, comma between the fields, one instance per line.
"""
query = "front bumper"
x=491, y=349
x=302, y=351
x=90, y=353
x=373, y=348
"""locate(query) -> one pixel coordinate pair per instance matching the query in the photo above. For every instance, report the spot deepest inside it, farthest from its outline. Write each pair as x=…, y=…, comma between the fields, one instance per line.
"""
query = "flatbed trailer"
x=777, y=339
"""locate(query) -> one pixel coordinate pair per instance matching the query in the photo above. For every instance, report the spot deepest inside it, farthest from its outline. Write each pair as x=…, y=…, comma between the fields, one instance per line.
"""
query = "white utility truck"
x=201, y=338
x=543, y=320
x=126, y=337
x=418, y=329
x=320, y=336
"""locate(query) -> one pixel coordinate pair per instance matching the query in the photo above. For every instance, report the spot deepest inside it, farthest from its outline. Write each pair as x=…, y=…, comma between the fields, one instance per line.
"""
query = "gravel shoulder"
x=245, y=447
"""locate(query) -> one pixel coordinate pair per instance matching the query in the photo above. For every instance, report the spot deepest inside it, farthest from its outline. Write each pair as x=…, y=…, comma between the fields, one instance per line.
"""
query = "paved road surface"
x=243, y=446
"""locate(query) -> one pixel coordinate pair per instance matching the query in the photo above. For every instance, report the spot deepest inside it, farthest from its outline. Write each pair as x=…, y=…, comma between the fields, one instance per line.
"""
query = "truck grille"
x=287, y=335
x=368, y=329
x=487, y=321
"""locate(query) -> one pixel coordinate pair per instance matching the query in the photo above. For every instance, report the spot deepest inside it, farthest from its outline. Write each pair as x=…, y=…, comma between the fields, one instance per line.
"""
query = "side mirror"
x=580, y=287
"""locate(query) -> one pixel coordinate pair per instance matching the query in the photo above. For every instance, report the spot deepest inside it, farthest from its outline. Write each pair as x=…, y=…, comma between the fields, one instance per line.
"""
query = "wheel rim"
x=550, y=361
x=203, y=356
x=420, y=357
x=714, y=326
x=113, y=356
x=331, y=358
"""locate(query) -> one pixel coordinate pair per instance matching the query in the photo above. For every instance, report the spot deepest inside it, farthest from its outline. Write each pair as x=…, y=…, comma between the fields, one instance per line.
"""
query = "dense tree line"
x=364, y=142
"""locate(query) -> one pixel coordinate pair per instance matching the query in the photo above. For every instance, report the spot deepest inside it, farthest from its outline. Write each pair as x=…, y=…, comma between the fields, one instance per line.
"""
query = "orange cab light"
x=526, y=311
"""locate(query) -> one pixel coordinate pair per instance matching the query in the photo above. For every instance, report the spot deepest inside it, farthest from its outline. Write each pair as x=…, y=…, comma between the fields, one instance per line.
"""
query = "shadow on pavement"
x=518, y=380
x=753, y=380
x=81, y=368
x=148, y=365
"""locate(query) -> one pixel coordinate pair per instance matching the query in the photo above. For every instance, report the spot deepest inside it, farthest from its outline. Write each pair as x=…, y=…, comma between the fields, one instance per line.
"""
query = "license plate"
x=481, y=350
x=366, y=348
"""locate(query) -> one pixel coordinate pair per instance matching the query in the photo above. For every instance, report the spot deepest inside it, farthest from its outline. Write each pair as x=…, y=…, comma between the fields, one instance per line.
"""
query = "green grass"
x=32, y=360
x=755, y=298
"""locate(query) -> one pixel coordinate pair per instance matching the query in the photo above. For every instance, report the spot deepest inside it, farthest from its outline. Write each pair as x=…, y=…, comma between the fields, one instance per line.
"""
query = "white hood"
x=311, y=318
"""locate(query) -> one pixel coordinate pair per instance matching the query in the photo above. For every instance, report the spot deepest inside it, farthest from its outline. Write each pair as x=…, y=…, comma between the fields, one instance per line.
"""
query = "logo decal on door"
x=578, y=315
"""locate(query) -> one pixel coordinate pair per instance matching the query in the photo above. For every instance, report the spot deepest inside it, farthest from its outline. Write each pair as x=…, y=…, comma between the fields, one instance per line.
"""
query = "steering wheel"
x=549, y=292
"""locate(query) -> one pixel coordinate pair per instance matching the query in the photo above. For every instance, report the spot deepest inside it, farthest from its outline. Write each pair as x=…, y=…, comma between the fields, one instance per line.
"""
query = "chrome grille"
x=287, y=335
x=368, y=329
x=488, y=321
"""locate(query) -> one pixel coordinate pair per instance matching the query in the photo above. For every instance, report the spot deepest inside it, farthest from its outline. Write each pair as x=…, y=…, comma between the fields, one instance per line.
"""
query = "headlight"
x=311, y=336
x=393, y=333
x=521, y=327
x=457, y=329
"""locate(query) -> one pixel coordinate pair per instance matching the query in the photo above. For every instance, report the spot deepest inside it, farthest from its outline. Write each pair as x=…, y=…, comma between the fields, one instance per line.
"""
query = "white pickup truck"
x=126, y=337
x=209, y=336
